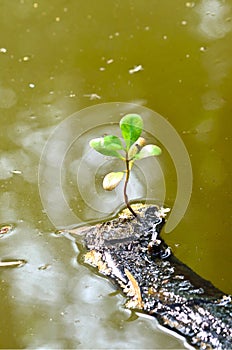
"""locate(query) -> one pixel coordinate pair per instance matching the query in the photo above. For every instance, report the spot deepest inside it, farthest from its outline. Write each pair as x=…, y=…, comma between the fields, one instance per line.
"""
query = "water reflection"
x=50, y=56
x=215, y=18
x=65, y=305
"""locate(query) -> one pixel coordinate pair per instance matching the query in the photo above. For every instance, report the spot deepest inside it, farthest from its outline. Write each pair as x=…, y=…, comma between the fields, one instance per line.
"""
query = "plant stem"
x=125, y=186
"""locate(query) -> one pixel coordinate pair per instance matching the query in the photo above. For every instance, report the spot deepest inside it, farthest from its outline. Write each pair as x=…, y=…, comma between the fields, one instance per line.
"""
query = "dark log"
x=132, y=254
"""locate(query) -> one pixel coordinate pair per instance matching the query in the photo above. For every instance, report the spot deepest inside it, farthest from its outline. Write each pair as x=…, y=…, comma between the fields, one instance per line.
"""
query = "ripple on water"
x=8, y=97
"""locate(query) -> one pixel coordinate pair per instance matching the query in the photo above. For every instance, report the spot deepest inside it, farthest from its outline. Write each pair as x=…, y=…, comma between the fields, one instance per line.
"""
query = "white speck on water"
x=111, y=36
x=92, y=96
x=180, y=81
x=3, y=50
x=165, y=37
x=136, y=69
x=35, y=5
x=102, y=69
x=184, y=23
x=202, y=48
x=57, y=19
x=32, y=85
x=187, y=55
x=190, y=4
x=16, y=172
x=72, y=94
x=25, y=58
x=109, y=61
x=147, y=28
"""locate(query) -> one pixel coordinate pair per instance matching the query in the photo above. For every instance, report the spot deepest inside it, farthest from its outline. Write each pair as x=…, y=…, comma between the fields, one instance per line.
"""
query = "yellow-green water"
x=58, y=57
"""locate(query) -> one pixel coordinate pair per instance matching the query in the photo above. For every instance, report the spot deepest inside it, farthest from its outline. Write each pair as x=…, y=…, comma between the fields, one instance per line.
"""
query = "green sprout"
x=133, y=148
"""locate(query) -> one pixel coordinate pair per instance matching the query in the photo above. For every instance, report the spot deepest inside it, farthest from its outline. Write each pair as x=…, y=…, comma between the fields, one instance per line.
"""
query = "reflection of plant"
x=134, y=148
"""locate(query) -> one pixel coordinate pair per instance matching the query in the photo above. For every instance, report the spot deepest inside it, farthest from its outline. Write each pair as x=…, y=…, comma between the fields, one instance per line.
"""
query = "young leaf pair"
x=133, y=148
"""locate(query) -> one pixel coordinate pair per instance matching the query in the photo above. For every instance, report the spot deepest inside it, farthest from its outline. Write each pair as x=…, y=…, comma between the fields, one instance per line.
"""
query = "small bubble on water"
x=147, y=28
x=187, y=55
x=25, y=58
x=102, y=69
x=31, y=85
x=202, y=48
x=35, y=5
x=165, y=37
x=3, y=50
x=184, y=23
x=57, y=19
x=190, y=4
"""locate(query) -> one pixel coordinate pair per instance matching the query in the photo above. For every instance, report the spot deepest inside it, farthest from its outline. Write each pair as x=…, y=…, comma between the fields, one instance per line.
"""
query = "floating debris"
x=92, y=96
x=109, y=61
x=16, y=172
x=155, y=281
x=3, y=50
x=13, y=263
x=5, y=229
x=44, y=267
x=136, y=69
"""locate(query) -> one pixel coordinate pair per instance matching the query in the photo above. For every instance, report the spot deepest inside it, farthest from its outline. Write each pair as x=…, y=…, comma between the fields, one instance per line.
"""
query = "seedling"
x=129, y=150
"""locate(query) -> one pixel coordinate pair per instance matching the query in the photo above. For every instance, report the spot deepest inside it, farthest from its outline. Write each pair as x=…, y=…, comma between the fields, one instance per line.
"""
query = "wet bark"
x=132, y=254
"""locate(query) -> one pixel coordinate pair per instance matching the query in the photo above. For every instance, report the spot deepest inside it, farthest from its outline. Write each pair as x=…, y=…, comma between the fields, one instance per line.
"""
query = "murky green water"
x=60, y=56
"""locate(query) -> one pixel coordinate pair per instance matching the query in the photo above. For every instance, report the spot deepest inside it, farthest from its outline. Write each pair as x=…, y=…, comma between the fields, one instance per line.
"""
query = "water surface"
x=59, y=57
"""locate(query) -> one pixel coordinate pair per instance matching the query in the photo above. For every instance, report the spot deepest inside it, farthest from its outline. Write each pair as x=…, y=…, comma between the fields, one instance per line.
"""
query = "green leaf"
x=113, y=142
x=112, y=180
x=131, y=126
x=107, y=145
x=148, y=151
